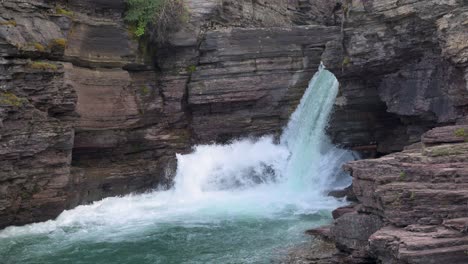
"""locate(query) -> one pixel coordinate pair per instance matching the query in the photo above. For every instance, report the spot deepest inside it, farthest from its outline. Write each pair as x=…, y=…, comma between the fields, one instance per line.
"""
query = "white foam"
x=254, y=178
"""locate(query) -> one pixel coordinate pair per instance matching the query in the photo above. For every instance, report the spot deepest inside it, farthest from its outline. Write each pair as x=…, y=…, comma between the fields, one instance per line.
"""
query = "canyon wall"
x=402, y=67
x=88, y=111
x=403, y=70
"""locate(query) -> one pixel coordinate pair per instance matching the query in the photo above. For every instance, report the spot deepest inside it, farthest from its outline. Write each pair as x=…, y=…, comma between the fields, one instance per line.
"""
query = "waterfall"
x=314, y=162
x=304, y=161
x=247, y=180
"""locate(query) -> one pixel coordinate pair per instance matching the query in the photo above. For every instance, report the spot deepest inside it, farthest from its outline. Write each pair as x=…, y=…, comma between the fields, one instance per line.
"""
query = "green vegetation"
x=10, y=99
x=9, y=23
x=39, y=47
x=402, y=176
x=59, y=42
x=144, y=90
x=62, y=11
x=346, y=61
x=461, y=132
x=191, y=69
x=164, y=15
x=445, y=151
x=24, y=195
x=347, y=6
x=36, y=189
x=40, y=65
x=31, y=46
x=412, y=196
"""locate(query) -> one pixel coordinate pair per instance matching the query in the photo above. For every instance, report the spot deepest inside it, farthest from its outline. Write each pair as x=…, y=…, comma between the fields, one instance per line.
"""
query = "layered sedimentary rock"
x=89, y=111
x=402, y=66
x=37, y=110
x=412, y=204
x=246, y=78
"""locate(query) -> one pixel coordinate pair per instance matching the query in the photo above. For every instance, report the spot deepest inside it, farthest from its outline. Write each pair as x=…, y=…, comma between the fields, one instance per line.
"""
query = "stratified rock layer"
x=421, y=196
x=402, y=67
x=88, y=111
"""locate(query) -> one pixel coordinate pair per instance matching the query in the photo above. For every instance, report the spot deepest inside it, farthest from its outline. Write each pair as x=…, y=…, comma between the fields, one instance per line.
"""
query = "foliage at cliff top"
x=164, y=16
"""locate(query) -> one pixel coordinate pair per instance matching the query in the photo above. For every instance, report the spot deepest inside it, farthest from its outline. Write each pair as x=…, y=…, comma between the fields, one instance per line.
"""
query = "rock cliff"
x=402, y=67
x=89, y=111
x=412, y=204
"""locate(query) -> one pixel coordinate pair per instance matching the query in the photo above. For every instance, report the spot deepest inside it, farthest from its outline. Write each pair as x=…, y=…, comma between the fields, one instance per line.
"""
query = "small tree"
x=164, y=16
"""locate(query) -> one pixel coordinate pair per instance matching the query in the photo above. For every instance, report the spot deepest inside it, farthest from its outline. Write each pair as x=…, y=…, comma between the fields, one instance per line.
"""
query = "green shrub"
x=59, y=42
x=191, y=69
x=40, y=65
x=461, y=133
x=144, y=90
x=62, y=11
x=9, y=23
x=164, y=15
x=31, y=46
x=39, y=47
x=402, y=175
x=24, y=195
x=10, y=99
x=346, y=61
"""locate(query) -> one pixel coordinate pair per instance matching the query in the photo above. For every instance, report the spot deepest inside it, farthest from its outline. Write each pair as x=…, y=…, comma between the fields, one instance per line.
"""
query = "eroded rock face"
x=247, y=78
x=37, y=111
x=87, y=112
x=419, y=244
x=402, y=66
x=351, y=231
x=402, y=187
x=421, y=196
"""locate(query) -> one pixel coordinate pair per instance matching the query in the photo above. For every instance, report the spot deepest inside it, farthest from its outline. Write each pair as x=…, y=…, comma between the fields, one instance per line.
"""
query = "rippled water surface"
x=245, y=202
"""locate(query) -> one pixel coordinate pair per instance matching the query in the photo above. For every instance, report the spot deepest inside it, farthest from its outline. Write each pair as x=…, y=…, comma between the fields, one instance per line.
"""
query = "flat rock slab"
x=435, y=245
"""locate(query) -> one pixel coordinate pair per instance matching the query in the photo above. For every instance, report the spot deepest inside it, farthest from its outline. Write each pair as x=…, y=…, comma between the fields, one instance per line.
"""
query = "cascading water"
x=236, y=203
x=314, y=163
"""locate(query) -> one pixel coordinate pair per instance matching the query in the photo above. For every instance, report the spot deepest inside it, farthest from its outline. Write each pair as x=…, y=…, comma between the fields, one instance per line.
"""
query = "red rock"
x=396, y=245
x=459, y=224
x=339, y=212
x=449, y=134
x=97, y=117
x=321, y=232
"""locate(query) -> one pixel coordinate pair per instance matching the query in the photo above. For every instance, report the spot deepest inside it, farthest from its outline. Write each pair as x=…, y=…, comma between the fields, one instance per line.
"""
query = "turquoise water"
x=245, y=202
x=241, y=240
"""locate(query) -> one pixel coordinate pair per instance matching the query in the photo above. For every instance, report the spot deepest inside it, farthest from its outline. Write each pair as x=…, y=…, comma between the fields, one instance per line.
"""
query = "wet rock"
x=420, y=194
x=339, y=212
x=315, y=252
x=245, y=88
x=351, y=231
x=87, y=112
x=323, y=232
x=346, y=192
x=402, y=187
